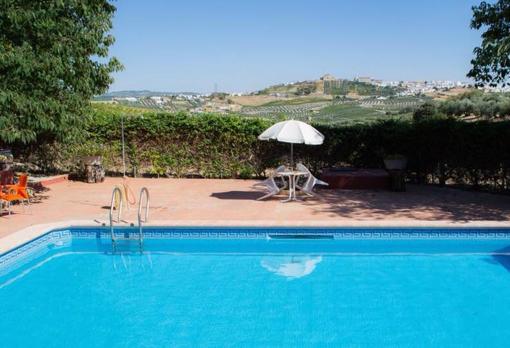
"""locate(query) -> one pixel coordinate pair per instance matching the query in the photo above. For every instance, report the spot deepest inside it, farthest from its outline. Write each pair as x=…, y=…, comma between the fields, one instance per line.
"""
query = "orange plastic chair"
x=12, y=196
x=21, y=187
x=17, y=192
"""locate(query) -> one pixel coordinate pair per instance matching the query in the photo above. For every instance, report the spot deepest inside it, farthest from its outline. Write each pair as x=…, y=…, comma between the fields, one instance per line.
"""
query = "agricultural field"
x=338, y=111
x=298, y=101
x=312, y=108
x=393, y=104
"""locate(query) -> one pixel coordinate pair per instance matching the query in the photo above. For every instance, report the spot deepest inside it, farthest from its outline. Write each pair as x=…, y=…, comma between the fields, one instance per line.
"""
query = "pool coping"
x=27, y=234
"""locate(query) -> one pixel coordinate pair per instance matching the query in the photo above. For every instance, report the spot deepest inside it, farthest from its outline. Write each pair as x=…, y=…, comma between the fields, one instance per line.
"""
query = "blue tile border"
x=35, y=248
x=338, y=233
x=181, y=232
x=64, y=237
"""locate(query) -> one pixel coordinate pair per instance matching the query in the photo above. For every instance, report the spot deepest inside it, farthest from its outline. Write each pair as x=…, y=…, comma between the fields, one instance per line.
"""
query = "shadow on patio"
x=237, y=195
x=420, y=202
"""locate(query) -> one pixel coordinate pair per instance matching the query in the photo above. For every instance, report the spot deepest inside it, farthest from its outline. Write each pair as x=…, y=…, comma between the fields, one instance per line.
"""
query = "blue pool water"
x=420, y=288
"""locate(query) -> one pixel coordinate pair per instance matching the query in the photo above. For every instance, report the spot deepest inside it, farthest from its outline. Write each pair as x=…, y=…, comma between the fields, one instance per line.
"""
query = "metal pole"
x=123, y=147
x=291, y=156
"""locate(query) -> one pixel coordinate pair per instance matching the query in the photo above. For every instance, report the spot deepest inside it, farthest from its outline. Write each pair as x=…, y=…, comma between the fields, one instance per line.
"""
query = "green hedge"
x=177, y=145
x=439, y=150
x=219, y=146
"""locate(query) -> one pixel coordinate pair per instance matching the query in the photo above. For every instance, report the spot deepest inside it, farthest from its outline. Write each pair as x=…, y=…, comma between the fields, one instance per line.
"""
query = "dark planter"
x=395, y=163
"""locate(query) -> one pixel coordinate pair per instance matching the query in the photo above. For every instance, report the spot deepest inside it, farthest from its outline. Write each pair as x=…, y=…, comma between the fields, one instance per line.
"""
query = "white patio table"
x=292, y=175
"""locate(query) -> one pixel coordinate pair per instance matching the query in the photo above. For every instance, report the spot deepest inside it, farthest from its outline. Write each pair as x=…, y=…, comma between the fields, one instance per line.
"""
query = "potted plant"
x=395, y=162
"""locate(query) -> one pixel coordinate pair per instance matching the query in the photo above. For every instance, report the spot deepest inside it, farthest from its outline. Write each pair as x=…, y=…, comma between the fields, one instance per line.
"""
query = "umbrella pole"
x=123, y=146
x=291, y=156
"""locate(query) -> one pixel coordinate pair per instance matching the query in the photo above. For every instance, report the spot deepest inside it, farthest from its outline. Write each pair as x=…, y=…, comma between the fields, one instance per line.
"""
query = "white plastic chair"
x=310, y=182
x=270, y=184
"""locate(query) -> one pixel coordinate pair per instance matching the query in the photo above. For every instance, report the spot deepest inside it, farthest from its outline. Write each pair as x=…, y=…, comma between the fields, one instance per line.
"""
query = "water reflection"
x=127, y=261
x=291, y=267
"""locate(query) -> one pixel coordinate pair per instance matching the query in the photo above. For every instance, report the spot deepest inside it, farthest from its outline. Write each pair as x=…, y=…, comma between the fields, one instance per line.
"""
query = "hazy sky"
x=244, y=45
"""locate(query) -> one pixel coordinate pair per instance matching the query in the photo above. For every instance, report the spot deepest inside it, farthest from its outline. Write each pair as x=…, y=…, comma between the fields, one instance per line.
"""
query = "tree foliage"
x=425, y=111
x=53, y=59
x=344, y=87
x=306, y=89
x=476, y=104
x=488, y=106
x=491, y=62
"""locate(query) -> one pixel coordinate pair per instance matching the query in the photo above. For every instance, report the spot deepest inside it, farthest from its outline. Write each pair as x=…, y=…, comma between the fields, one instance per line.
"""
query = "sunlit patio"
x=233, y=202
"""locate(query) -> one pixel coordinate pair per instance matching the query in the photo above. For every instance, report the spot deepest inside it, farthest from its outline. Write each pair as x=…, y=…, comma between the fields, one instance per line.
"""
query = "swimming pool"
x=259, y=287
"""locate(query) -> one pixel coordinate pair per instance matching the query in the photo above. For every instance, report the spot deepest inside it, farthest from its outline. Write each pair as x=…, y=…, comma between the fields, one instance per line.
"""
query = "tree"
x=53, y=60
x=491, y=63
x=425, y=111
x=305, y=89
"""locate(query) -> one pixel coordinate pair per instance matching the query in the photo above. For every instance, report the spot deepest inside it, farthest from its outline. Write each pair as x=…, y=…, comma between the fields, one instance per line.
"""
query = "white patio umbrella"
x=291, y=267
x=293, y=132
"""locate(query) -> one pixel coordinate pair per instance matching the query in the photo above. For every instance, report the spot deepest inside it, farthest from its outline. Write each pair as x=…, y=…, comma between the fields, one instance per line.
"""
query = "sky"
x=246, y=45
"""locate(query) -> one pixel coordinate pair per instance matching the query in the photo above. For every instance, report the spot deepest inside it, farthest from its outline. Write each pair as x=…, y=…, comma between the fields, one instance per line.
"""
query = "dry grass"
x=258, y=100
x=450, y=93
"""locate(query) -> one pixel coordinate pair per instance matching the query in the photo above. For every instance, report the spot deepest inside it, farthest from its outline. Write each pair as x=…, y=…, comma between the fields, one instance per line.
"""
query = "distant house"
x=328, y=77
x=364, y=79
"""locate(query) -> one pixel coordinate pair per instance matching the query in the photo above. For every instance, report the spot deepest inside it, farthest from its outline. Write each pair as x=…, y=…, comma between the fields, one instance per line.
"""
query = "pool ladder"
x=118, y=196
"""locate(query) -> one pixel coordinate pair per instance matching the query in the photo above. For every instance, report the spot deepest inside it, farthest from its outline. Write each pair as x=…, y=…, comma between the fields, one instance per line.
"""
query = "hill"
x=334, y=87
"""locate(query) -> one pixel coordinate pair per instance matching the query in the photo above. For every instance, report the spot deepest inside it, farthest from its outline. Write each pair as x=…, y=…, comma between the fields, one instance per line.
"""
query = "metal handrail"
x=140, y=201
x=116, y=191
x=143, y=192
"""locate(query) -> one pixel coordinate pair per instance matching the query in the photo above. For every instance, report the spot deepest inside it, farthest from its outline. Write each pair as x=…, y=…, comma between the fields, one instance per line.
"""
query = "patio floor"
x=233, y=202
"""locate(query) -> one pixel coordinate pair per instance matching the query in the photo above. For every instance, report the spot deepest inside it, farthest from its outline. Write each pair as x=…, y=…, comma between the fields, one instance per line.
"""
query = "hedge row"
x=218, y=146
x=439, y=150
